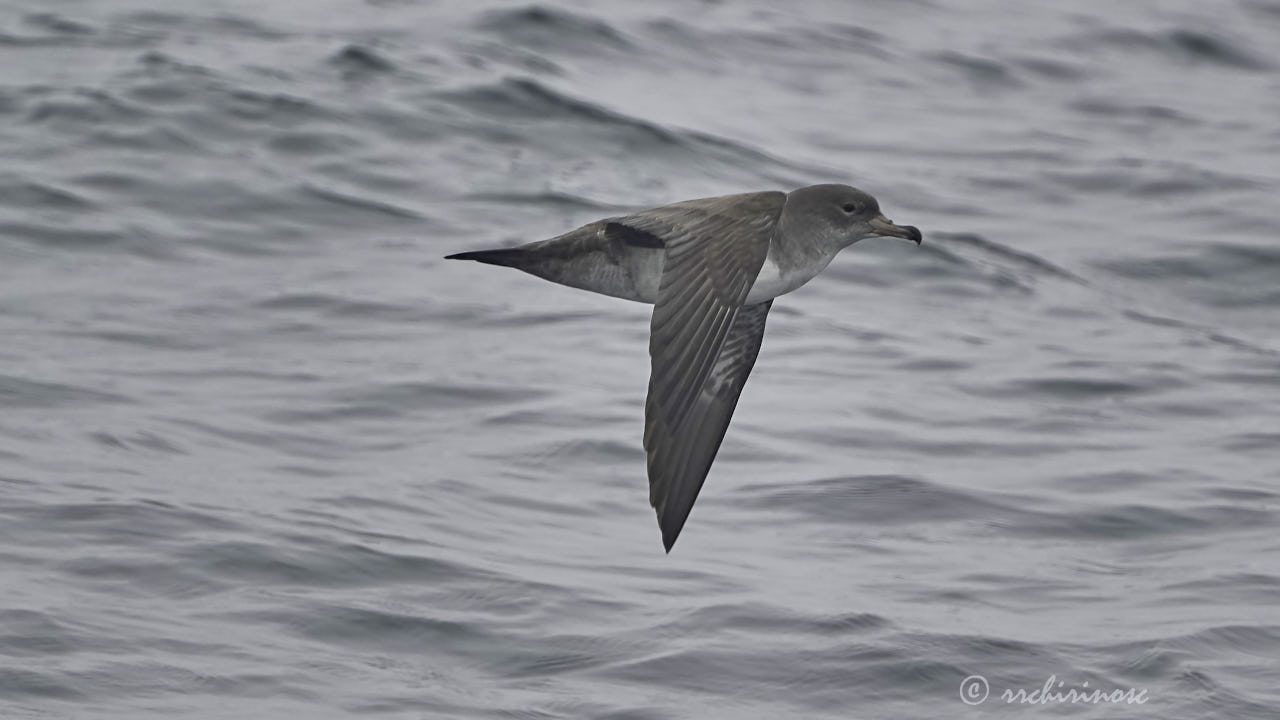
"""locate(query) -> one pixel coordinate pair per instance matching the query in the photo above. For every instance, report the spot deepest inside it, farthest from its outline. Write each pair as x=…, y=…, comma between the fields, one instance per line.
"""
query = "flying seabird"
x=711, y=268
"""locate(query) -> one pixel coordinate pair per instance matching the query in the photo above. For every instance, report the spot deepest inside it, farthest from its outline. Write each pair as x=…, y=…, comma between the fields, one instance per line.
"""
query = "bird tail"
x=507, y=257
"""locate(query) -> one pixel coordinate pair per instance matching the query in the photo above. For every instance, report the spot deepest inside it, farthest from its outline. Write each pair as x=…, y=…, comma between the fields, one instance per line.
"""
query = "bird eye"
x=849, y=208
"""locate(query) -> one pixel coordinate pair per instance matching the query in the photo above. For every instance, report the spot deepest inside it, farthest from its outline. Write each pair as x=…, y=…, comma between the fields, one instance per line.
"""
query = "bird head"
x=839, y=216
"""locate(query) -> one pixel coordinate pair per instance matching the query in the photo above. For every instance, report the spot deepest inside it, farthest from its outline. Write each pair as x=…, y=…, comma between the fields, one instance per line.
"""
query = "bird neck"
x=798, y=245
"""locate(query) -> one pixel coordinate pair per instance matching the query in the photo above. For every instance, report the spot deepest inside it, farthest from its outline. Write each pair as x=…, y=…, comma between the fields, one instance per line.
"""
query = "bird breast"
x=774, y=280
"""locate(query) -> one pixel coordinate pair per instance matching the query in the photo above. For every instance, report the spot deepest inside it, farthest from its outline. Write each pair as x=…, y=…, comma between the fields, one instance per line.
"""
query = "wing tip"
x=670, y=530
x=669, y=540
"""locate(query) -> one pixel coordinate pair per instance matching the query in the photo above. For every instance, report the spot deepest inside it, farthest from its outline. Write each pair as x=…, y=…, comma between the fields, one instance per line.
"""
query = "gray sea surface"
x=265, y=454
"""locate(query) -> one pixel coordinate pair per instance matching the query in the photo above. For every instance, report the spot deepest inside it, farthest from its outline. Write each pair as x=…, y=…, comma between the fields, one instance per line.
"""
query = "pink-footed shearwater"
x=711, y=268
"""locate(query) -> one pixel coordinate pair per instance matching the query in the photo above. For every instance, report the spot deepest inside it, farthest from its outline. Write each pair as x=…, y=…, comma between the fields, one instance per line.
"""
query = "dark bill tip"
x=884, y=227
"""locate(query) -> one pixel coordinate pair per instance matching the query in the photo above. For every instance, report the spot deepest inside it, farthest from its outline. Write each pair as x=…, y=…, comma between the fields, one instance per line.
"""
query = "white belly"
x=645, y=268
x=772, y=282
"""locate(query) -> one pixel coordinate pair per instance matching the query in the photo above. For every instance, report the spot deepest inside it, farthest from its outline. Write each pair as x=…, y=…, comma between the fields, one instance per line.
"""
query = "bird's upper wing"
x=681, y=449
x=703, y=342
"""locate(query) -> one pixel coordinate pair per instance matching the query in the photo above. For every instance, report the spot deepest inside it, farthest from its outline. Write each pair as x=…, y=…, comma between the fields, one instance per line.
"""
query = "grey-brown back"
x=623, y=256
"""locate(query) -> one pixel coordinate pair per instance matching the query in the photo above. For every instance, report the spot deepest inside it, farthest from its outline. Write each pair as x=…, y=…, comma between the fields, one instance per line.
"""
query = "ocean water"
x=265, y=454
